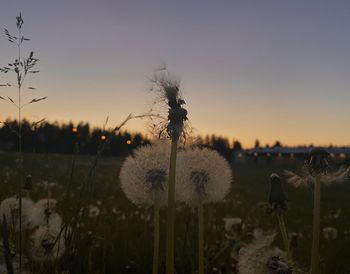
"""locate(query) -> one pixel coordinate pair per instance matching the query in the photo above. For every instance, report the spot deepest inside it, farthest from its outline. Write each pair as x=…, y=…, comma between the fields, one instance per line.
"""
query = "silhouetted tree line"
x=220, y=144
x=69, y=138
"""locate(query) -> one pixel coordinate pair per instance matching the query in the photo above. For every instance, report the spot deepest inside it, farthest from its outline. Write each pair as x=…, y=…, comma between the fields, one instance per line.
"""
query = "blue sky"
x=249, y=69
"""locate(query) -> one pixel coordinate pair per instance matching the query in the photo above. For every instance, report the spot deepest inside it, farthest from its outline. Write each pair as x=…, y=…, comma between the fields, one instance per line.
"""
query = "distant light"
x=268, y=154
x=74, y=130
x=332, y=155
x=342, y=155
x=255, y=154
x=292, y=155
x=128, y=142
x=103, y=138
x=279, y=155
x=240, y=155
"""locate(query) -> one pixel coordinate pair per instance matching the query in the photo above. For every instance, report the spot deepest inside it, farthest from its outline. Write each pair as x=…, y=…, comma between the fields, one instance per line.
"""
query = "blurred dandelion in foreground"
x=330, y=233
x=94, y=211
x=46, y=244
x=9, y=208
x=203, y=177
x=259, y=257
x=144, y=180
x=44, y=212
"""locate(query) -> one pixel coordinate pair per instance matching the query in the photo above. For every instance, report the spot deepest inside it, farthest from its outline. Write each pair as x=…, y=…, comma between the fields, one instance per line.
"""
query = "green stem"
x=284, y=234
x=315, y=254
x=156, y=238
x=171, y=210
x=200, y=238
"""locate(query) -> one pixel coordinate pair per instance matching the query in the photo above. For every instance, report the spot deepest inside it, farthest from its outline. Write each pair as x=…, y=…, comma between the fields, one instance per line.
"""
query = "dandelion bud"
x=318, y=161
x=277, y=196
x=28, y=185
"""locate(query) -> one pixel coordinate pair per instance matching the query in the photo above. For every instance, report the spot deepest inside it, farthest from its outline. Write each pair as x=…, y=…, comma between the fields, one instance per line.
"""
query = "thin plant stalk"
x=315, y=253
x=283, y=229
x=20, y=153
x=200, y=238
x=156, y=238
x=21, y=66
x=171, y=210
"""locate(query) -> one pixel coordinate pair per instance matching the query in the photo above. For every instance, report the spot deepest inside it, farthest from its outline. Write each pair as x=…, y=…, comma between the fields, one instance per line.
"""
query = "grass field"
x=117, y=237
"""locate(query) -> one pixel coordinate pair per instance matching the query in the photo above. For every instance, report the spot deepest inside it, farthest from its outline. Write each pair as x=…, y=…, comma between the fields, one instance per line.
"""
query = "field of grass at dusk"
x=116, y=236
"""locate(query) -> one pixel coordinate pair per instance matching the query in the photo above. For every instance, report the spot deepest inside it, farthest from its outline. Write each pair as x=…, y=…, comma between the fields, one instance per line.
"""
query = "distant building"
x=267, y=153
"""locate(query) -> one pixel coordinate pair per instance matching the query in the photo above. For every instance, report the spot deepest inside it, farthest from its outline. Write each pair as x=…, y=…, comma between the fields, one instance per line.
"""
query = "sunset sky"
x=249, y=69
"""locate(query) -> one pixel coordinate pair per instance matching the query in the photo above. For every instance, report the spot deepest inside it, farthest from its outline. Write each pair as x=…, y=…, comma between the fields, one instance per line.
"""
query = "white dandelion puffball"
x=231, y=223
x=46, y=244
x=144, y=175
x=94, y=211
x=9, y=208
x=43, y=211
x=305, y=178
x=254, y=257
x=330, y=233
x=203, y=175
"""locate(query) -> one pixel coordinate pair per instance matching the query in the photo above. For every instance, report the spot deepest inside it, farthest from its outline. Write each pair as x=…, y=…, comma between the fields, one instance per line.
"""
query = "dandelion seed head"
x=43, y=211
x=330, y=233
x=169, y=89
x=305, y=178
x=94, y=211
x=46, y=244
x=203, y=176
x=318, y=161
x=231, y=223
x=9, y=208
x=144, y=175
x=255, y=256
x=276, y=265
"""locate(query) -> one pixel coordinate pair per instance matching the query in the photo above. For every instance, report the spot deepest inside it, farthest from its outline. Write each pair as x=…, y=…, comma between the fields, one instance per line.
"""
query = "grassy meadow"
x=115, y=236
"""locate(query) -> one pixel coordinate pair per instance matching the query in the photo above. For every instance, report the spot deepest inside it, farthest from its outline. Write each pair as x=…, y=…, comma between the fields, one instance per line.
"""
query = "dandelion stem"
x=282, y=226
x=315, y=254
x=200, y=238
x=156, y=238
x=171, y=210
